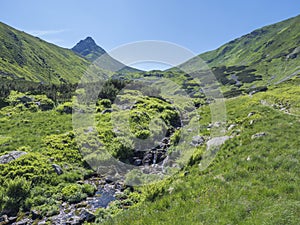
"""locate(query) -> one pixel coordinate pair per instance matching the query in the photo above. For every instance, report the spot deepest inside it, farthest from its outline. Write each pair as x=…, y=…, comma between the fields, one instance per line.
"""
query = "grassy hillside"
x=23, y=56
x=270, y=54
x=253, y=180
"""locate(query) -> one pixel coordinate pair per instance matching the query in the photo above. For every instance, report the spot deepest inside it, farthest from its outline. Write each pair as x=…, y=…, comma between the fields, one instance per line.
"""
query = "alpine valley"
x=47, y=159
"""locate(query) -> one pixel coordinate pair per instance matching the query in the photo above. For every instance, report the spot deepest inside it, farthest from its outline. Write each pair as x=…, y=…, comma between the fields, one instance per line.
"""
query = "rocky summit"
x=88, y=49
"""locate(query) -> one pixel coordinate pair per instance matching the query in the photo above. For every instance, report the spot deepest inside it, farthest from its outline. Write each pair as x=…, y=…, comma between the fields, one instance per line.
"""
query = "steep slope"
x=88, y=49
x=265, y=56
x=23, y=56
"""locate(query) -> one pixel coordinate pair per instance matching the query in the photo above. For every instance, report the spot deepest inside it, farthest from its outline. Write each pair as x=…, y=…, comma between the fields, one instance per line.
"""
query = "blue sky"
x=197, y=25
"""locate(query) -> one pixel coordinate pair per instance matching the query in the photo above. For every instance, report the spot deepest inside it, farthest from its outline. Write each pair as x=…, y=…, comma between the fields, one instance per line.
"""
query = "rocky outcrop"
x=11, y=156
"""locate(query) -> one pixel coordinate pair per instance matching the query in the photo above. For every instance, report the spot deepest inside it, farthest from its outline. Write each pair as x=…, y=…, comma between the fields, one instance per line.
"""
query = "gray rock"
x=258, y=135
x=86, y=215
x=4, y=219
x=11, y=156
x=12, y=219
x=57, y=169
x=251, y=114
x=23, y=222
x=231, y=127
x=137, y=162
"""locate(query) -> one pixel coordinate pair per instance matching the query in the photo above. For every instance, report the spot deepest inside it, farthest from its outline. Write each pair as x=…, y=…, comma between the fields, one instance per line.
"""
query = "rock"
x=258, y=135
x=57, y=169
x=109, y=179
x=23, y=222
x=106, y=111
x=36, y=215
x=4, y=219
x=81, y=204
x=165, y=140
x=12, y=219
x=137, y=162
x=11, y=156
x=209, y=125
x=120, y=186
x=231, y=127
x=87, y=216
x=251, y=114
x=75, y=220
x=197, y=140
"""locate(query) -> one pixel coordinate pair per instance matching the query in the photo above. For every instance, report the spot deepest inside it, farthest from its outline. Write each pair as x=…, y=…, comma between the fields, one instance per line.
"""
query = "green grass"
x=271, y=50
x=23, y=56
x=251, y=181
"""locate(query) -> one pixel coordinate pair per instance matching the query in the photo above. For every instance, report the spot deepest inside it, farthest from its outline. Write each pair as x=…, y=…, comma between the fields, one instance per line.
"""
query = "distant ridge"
x=88, y=49
x=271, y=52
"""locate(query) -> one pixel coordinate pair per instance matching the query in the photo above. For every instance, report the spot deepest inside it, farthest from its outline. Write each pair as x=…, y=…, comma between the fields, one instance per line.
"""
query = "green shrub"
x=16, y=192
x=121, y=148
x=73, y=193
x=65, y=108
x=31, y=102
x=89, y=189
x=106, y=103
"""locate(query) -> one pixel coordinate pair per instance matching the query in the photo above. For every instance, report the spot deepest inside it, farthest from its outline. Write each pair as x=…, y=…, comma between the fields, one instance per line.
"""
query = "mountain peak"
x=89, y=40
x=88, y=49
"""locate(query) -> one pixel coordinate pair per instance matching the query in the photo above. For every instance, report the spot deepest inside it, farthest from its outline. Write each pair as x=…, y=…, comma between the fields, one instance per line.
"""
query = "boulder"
x=11, y=156
x=57, y=169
